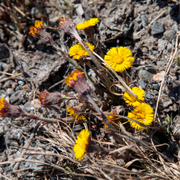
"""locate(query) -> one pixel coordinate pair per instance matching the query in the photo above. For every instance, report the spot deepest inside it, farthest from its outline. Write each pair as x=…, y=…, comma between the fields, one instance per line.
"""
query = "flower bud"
x=8, y=110
x=47, y=99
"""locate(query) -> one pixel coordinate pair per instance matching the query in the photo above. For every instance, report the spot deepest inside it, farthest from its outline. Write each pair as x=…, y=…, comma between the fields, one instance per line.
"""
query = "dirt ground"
x=30, y=149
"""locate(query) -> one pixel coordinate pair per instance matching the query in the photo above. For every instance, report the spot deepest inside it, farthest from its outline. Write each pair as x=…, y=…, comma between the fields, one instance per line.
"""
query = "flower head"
x=119, y=59
x=131, y=100
x=38, y=31
x=143, y=113
x=82, y=144
x=34, y=30
x=78, y=51
x=47, y=99
x=75, y=112
x=8, y=110
x=87, y=24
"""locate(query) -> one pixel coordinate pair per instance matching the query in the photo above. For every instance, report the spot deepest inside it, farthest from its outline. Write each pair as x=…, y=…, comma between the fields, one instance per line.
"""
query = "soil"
x=30, y=149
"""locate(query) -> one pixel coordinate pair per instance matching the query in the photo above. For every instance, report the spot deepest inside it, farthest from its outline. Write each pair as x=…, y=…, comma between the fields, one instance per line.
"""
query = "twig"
x=167, y=71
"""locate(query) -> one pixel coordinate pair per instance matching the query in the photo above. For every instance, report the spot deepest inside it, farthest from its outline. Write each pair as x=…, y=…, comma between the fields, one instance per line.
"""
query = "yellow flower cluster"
x=119, y=59
x=143, y=112
x=38, y=25
x=87, y=24
x=78, y=51
x=74, y=112
x=82, y=144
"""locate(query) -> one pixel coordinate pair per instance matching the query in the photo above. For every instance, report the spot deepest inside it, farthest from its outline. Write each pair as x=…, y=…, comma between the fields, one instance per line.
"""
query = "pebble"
x=21, y=83
x=148, y=95
x=144, y=20
x=170, y=35
x=125, y=30
x=145, y=75
x=14, y=134
x=138, y=20
x=79, y=9
x=169, y=47
x=155, y=92
x=157, y=28
x=175, y=27
x=166, y=102
x=9, y=91
x=149, y=2
x=155, y=86
x=162, y=44
x=142, y=84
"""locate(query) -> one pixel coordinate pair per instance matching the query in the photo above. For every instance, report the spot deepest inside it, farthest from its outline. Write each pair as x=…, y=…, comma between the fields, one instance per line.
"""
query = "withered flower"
x=47, y=99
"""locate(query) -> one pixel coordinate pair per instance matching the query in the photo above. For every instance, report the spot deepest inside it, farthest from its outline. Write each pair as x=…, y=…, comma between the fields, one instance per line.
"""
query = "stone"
x=166, y=102
x=144, y=20
x=162, y=44
x=155, y=86
x=149, y=2
x=170, y=35
x=175, y=27
x=169, y=47
x=148, y=95
x=79, y=9
x=9, y=91
x=142, y=84
x=21, y=83
x=145, y=75
x=157, y=28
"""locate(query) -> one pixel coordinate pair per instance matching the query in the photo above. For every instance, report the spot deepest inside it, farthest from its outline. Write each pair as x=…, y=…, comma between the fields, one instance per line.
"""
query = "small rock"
x=155, y=92
x=155, y=86
x=142, y=84
x=138, y=20
x=166, y=102
x=175, y=27
x=145, y=75
x=149, y=2
x=169, y=47
x=162, y=44
x=79, y=9
x=21, y=83
x=157, y=28
x=170, y=35
x=125, y=30
x=14, y=134
x=138, y=26
x=9, y=91
x=144, y=20
x=148, y=95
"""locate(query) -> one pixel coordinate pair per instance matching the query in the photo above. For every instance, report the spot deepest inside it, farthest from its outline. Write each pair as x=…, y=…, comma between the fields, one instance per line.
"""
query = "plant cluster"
x=108, y=69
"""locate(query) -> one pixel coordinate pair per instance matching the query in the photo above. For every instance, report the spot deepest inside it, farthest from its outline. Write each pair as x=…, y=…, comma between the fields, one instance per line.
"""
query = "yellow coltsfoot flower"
x=143, y=113
x=119, y=59
x=82, y=144
x=87, y=24
x=131, y=100
x=78, y=51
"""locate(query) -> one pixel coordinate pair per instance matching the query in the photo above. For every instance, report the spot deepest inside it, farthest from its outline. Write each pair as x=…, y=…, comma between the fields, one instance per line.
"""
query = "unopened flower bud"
x=47, y=99
x=8, y=110
x=78, y=83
